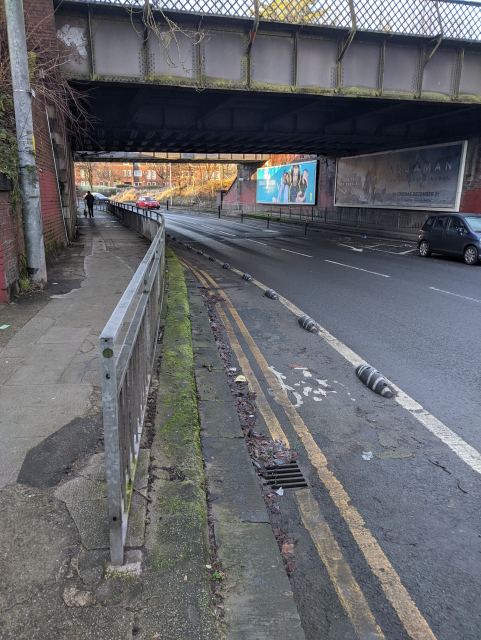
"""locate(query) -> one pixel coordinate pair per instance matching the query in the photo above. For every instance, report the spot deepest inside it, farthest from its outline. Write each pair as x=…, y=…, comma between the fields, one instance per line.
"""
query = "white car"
x=99, y=197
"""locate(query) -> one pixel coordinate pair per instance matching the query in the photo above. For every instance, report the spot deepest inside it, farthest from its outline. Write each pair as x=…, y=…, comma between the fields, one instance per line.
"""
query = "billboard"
x=427, y=178
x=287, y=184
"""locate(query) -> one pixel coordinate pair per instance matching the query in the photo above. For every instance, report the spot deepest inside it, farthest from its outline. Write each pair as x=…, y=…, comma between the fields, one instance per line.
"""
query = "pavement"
x=195, y=566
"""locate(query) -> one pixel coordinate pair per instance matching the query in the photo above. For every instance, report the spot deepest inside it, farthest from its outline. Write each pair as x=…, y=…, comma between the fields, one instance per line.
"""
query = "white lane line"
x=297, y=253
x=349, y=247
x=462, y=449
x=458, y=295
x=358, y=269
x=256, y=241
x=217, y=230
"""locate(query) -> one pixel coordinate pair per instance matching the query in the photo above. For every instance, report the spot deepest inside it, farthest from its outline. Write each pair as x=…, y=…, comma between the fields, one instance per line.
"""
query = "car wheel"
x=424, y=249
x=470, y=255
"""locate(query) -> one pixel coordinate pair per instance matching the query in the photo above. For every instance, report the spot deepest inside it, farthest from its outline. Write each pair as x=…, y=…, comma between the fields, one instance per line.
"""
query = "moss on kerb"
x=180, y=428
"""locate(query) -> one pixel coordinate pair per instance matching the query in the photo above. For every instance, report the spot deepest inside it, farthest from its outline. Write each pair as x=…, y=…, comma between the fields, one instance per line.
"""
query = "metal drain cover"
x=287, y=476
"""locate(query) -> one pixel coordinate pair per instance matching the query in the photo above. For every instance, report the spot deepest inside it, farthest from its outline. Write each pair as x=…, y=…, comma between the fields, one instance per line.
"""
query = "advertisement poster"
x=420, y=178
x=287, y=184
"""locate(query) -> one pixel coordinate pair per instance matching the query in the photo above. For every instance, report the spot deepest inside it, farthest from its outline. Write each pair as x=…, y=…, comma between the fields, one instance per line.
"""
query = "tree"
x=86, y=172
x=295, y=11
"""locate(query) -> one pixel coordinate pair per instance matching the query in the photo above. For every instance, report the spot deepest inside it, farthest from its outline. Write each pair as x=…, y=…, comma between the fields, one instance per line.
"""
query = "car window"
x=456, y=223
x=474, y=222
x=429, y=222
x=440, y=222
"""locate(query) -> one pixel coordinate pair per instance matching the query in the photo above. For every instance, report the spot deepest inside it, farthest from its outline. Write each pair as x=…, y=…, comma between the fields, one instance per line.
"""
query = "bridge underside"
x=212, y=88
x=152, y=118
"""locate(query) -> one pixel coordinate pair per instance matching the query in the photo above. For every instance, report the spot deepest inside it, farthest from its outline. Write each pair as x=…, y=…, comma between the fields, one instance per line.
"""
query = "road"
x=402, y=525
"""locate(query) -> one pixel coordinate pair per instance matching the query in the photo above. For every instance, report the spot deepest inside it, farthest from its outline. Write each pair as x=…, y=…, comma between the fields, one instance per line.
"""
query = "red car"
x=145, y=202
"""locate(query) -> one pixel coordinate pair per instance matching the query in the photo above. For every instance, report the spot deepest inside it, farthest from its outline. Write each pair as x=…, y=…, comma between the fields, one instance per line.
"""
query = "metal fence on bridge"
x=401, y=224
x=455, y=19
x=127, y=349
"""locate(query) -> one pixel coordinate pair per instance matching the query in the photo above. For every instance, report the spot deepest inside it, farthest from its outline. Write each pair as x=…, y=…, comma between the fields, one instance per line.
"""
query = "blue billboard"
x=287, y=184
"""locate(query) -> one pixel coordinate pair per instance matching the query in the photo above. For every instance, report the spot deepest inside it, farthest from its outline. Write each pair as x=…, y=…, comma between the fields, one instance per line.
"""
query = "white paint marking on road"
x=297, y=253
x=403, y=253
x=458, y=295
x=285, y=387
x=465, y=451
x=217, y=230
x=349, y=247
x=256, y=241
x=358, y=268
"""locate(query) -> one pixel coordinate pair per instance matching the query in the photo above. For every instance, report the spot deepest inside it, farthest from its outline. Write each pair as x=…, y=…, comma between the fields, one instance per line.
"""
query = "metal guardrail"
x=127, y=349
x=406, y=223
x=456, y=19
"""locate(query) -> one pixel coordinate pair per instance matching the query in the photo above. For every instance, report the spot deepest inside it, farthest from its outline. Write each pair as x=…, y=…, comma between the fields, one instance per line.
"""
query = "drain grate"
x=287, y=476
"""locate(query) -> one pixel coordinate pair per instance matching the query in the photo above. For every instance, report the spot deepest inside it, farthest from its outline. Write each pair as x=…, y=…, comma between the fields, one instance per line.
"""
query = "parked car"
x=453, y=234
x=145, y=202
x=99, y=197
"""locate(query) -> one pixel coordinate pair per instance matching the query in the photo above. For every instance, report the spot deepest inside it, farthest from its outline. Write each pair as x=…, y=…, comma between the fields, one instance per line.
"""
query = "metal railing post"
x=112, y=449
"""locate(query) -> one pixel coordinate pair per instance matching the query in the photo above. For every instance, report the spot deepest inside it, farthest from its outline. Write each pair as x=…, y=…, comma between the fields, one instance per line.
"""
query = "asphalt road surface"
x=388, y=546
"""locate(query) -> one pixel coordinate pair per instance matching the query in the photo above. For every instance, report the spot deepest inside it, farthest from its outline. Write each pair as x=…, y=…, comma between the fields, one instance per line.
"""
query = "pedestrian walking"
x=90, y=199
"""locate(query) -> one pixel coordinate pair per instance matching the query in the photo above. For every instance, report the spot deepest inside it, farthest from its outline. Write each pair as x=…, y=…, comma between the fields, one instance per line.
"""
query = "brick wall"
x=11, y=248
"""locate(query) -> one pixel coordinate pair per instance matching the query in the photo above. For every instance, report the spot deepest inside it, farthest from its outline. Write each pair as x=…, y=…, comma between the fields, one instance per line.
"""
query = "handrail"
x=127, y=349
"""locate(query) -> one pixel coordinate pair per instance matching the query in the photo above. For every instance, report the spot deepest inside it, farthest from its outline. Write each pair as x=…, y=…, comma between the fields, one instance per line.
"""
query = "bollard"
x=226, y=265
x=247, y=277
x=242, y=216
x=218, y=210
x=268, y=220
x=305, y=228
x=374, y=380
x=167, y=203
x=307, y=323
x=270, y=293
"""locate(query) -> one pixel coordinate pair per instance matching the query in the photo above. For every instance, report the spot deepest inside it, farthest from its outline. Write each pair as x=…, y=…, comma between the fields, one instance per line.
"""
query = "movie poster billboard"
x=287, y=184
x=420, y=178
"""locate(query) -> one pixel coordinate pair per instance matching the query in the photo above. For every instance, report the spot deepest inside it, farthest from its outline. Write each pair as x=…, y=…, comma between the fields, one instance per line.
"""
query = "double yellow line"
x=346, y=587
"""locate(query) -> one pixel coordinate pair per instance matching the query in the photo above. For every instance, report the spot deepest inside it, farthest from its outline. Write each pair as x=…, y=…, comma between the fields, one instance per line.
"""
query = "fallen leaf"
x=185, y=578
x=240, y=379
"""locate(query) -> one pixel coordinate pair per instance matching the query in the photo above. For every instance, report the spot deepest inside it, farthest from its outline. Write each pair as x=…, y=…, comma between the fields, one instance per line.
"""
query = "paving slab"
x=263, y=607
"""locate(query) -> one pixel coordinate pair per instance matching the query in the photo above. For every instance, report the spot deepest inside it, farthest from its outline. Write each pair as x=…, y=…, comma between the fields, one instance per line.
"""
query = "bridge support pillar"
x=246, y=182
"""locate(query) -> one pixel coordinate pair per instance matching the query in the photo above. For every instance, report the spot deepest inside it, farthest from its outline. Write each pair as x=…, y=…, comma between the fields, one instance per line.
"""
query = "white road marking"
x=286, y=387
x=458, y=295
x=462, y=449
x=256, y=241
x=297, y=253
x=217, y=230
x=349, y=247
x=357, y=268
